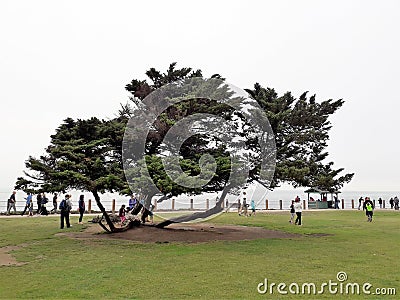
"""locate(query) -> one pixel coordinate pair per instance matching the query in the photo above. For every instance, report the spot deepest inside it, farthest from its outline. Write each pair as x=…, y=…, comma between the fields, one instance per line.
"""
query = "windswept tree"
x=197, y=135
x=83, y=155
x=301, y=128
x=88, y=154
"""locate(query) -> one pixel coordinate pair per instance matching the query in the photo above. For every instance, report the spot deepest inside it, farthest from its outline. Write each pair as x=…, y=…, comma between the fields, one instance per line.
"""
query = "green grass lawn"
x=59, y=267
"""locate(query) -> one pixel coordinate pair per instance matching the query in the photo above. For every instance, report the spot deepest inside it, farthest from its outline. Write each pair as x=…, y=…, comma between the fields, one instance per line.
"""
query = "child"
x=122, y=214
x=292, y=212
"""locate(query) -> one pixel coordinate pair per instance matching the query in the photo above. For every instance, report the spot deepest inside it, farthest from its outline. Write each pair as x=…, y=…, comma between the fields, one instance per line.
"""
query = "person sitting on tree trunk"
x=121, y=214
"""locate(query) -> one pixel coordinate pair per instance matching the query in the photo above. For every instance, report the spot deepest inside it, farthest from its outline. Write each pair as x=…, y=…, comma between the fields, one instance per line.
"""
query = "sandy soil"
x=185, y=233
x=6, y=259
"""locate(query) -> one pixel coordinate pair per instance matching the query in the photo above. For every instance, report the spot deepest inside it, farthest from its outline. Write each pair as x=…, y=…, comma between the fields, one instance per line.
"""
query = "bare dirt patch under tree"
x=186, y=233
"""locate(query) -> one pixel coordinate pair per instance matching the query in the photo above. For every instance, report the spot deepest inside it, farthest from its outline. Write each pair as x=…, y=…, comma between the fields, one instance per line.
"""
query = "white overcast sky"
x=63, y=59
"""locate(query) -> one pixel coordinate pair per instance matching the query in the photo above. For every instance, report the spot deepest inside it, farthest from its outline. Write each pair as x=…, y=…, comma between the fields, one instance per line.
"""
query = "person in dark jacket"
x=292, y=212
x=43, y=208
x=11, y=203
x=54, y=210
x=369, y=208
x=65, y=207
x=391, y=202
x=39, y=202
x=369, y=211
x=81, y=208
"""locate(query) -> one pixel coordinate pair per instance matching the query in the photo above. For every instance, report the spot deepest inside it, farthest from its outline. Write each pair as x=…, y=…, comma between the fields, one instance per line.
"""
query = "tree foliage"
x=191, y=151
x=83, y=155
x=301, y=127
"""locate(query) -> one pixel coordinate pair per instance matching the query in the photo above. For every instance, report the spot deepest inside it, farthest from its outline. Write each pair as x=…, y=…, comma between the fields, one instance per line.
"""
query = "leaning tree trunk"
x=105, y=214
x=199, y=215
x=112, y=228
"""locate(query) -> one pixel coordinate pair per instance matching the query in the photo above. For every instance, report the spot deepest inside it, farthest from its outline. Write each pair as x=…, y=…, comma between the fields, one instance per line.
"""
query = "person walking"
x=360, y=202
x=336, y=202
x=31, y=207
x=253, y=207
x=65, y=207
x=292, y=212
x=244, y=206
x=298, y=208
x=43, y=208
x=368, y=203
x=11, y=203
x=380, y=202
x=391, y=202
x=27, y=203
x=39, y=202
x=239, y=205
x=396, y=203
x=81, y=208
x=369, y=211
x=54, y=210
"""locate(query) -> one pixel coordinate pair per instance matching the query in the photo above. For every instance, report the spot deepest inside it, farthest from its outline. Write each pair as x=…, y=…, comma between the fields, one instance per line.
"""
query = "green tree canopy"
x=301, y=128
x=225, y=132
x=83, y=155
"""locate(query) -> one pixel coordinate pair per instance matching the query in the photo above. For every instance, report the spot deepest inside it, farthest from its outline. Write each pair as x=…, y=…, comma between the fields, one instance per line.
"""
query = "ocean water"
x=200, y=201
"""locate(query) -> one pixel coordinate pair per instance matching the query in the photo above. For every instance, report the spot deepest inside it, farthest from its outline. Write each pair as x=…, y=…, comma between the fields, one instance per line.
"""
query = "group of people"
x=394, y=202
x=66, y=207
x=243, y=206
x=41, y=200
x=134, y=208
